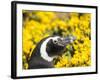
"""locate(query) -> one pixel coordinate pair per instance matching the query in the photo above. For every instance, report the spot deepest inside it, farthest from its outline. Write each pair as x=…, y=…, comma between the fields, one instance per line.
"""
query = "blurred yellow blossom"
x=40, y=24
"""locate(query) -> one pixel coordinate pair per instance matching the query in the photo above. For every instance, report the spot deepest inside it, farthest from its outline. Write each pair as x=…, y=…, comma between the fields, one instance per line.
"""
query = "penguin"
x=48, y=49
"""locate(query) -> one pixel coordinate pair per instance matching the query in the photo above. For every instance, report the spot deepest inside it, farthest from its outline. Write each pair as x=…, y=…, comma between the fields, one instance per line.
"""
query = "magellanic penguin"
x=47, y=49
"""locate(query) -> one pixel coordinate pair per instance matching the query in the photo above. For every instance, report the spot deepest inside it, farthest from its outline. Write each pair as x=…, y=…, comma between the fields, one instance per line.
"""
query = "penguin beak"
x=68, y=40
x=65, y=41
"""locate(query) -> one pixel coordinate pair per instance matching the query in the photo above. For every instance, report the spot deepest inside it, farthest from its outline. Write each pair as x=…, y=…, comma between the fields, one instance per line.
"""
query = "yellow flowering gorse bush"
x=38, y=25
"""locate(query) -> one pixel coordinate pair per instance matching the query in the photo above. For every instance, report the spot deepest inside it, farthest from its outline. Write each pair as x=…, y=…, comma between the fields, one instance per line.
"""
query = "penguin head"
x=57, y=45
x=54, y=46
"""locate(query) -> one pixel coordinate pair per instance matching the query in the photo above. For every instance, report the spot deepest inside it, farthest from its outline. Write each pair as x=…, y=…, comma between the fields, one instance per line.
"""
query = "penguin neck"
x=43, y=51
x=46, y=57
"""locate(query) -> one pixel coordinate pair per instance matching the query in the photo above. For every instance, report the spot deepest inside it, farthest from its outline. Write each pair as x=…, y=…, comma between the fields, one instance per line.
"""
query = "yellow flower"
x=26, y=65
x=74, y=61
x=27, y=45
x=26, y=34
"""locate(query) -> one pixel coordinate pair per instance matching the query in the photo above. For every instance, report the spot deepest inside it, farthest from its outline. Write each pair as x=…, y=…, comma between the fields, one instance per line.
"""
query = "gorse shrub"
x=38, y=25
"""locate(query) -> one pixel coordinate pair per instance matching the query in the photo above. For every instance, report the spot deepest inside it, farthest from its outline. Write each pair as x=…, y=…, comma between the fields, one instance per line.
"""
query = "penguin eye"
x=55, y=42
